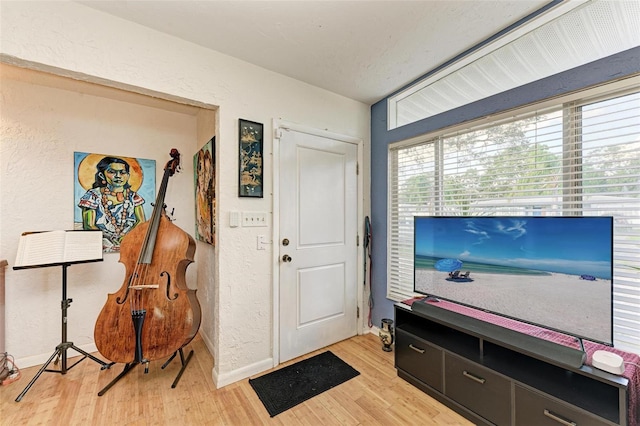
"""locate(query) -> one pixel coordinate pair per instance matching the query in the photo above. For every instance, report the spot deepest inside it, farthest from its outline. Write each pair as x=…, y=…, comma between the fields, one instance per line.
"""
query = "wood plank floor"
x=376, y=397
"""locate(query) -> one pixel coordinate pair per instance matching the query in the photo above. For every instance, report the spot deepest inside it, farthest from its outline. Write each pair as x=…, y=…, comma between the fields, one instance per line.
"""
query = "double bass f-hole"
x=175, y=295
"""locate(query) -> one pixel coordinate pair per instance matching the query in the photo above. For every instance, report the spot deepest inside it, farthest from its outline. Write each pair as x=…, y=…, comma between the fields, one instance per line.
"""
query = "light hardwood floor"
x=376, y=397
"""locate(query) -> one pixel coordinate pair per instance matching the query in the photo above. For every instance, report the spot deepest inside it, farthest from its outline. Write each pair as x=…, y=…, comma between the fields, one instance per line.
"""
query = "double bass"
x=153, y=314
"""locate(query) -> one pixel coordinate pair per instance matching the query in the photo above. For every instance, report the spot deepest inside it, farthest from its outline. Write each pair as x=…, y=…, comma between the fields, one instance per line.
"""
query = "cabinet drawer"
x=419, y=359
x=534, y=409
x=478, y=389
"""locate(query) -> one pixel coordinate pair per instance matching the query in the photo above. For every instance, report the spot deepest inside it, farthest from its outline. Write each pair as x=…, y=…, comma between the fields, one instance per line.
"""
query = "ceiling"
x=363, y=50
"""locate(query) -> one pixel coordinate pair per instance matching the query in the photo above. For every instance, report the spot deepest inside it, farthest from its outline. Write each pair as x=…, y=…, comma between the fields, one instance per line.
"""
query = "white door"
x=318, y=252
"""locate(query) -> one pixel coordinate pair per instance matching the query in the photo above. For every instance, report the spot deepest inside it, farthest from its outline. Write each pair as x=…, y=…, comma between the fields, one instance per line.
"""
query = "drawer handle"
x=416, y=349
x=559, y=419
x=474, y=378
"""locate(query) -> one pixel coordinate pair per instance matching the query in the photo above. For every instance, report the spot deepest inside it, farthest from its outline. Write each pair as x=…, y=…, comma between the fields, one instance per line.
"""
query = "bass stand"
x=184, y=362
x=61, y=349
x=129, y=366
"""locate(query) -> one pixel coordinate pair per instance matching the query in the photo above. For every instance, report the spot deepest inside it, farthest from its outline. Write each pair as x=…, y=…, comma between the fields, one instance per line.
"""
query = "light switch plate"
x=234, y=219
x=254, y=219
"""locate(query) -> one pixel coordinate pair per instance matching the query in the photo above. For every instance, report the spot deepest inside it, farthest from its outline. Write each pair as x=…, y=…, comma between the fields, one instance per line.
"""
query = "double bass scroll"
x=153, y=314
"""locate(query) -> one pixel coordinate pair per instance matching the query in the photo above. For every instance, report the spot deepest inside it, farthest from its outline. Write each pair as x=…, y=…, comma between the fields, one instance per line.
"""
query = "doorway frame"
x=278, y=126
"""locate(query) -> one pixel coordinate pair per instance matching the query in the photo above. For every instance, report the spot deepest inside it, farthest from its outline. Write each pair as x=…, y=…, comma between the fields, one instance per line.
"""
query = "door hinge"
x=357, y=240
x=278, y=134
x=358, y=312
x=357, y=168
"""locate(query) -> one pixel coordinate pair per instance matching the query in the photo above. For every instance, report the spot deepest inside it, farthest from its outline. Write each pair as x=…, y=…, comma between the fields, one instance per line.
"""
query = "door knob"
x=286, y=258
x=285, y=242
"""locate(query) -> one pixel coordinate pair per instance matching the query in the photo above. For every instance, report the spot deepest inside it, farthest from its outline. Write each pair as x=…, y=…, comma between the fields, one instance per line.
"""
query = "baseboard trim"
x=224, y=379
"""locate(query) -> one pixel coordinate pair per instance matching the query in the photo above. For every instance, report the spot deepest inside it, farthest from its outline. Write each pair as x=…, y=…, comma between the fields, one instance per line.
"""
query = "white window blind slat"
x=580, y=158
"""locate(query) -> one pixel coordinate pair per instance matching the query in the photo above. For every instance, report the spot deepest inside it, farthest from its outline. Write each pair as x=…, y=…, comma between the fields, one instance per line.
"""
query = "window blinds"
x=574, y=159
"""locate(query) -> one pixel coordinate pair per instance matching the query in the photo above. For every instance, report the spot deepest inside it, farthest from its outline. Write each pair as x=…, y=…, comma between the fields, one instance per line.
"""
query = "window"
x=574, y=158
x=566, y=36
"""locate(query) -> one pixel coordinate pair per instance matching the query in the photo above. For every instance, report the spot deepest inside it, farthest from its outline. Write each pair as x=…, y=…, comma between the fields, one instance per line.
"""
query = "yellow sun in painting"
x=87, y=170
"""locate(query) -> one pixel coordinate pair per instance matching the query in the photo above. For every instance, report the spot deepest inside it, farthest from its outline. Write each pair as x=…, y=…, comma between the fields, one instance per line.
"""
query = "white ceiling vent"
x=551, y=43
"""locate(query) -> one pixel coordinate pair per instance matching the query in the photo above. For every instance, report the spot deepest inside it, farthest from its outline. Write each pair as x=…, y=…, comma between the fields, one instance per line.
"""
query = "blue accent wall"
x=595, y=73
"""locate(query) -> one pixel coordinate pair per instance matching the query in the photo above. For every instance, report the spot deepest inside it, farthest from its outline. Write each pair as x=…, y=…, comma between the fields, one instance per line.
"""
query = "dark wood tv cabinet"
x=489, y=379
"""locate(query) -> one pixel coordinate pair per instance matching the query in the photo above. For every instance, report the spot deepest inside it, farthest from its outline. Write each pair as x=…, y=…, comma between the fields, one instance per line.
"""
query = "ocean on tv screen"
x=554, y=272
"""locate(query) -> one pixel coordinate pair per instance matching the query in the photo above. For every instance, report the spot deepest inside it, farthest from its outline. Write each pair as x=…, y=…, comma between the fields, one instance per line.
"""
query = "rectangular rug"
x=294, y=384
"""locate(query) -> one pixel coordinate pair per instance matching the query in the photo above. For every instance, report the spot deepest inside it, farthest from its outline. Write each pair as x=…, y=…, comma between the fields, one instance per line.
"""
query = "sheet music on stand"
x=51, y=248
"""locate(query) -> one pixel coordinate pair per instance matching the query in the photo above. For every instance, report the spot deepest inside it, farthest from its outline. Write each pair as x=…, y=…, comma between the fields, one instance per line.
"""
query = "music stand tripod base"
x=64, y=346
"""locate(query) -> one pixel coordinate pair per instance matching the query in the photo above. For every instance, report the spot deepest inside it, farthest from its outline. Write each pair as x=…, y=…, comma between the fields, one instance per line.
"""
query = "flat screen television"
x=554, y=272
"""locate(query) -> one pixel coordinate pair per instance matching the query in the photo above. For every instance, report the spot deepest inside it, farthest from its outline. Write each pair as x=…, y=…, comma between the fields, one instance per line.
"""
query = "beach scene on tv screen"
x=550, y=271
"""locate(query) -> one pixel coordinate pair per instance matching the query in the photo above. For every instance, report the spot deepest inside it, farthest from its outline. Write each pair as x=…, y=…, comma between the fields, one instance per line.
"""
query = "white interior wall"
x=43, y=124
x=69, y=39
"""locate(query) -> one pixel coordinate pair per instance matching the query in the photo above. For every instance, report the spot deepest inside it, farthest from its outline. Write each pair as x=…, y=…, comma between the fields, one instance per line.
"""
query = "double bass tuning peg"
x=169, y=214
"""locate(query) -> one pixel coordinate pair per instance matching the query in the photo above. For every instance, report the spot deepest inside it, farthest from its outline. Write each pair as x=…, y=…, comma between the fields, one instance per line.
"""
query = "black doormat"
x=294, y=384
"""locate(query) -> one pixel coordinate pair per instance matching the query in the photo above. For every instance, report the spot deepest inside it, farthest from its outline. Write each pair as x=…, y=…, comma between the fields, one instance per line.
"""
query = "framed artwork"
x=251, y=142
x=204, y=170
x=112, y=193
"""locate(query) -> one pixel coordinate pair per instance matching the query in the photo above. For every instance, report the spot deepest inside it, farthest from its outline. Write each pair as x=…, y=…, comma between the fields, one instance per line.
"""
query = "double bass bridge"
x=144, y=286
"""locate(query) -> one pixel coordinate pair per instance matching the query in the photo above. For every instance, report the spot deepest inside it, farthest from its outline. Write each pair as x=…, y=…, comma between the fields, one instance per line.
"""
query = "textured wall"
x=71, y=39
x=42, y=126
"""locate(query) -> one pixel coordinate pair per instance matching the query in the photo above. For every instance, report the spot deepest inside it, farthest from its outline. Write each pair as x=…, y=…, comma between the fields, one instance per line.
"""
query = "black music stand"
x=61, y=349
